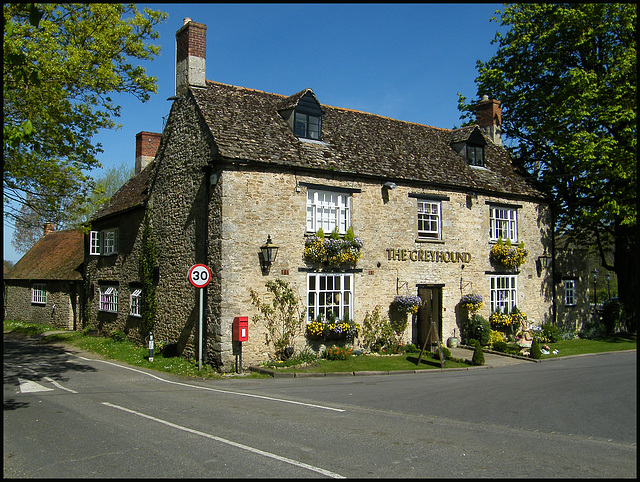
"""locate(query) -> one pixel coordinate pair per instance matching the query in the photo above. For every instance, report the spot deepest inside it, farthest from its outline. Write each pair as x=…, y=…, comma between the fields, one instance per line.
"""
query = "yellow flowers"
x=333, y=251
x=507, y=255
x=332, y=331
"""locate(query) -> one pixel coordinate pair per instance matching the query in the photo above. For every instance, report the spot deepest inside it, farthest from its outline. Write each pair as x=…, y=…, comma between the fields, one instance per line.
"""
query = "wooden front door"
x=430, y=312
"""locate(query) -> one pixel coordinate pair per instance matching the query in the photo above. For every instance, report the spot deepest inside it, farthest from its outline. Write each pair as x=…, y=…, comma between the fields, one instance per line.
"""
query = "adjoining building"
x=236, y=167
x=46, y=286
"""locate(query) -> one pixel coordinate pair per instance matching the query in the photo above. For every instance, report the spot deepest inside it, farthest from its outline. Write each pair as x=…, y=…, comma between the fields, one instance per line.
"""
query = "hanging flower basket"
x=511, y=257
x=406, y=303
x=471, y=302
x=333, y=251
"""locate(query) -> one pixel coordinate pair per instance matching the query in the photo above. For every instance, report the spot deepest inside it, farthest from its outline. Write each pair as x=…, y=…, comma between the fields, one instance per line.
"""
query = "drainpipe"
x=207, y=194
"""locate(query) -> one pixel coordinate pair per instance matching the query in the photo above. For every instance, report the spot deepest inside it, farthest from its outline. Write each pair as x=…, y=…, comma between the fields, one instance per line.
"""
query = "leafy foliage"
x=283, y=317
x=566, y=75
x=57, y=77
x=509, y=256
x=147, y=267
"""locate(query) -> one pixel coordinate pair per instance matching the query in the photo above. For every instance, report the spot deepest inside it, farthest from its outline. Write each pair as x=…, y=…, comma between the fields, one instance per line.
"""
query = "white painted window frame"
x=328, y=209
x=330, y=292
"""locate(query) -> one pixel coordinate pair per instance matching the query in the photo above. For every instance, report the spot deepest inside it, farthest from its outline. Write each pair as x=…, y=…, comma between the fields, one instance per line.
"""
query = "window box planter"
x=333, y=251
x=508, y=256
x=319, y=330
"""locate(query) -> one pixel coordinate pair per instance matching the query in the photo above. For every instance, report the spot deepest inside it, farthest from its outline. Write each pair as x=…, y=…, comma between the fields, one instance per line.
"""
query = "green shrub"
x=118, y=335
x=612, y=315
x=478, y=328
x=535, y=352
x=410, y=348
x=445, y=352
x=501, y=346
x=337, y=353
x=549, y=333
x=478, y=355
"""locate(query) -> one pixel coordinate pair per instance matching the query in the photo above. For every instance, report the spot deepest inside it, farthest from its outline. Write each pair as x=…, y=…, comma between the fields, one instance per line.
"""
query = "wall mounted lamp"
x=544, y=261
x=268, y=253
x=390, y=185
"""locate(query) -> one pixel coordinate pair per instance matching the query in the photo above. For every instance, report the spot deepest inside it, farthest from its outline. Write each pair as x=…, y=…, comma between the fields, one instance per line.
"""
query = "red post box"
x=241, y=328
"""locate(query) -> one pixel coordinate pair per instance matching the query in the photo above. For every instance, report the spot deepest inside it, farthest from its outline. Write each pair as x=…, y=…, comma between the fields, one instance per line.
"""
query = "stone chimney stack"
x=147, y=144
x=191, y=53
x=489, y=118
x=49, y=228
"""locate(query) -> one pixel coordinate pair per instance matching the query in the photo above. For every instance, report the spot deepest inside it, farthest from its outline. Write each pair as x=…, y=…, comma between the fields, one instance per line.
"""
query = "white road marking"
x=28, y=386
x=229, y=442
x=323, y=407
x=50, y=380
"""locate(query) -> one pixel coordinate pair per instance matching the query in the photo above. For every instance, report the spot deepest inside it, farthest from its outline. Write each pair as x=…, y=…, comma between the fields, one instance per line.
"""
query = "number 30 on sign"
x=199, y=275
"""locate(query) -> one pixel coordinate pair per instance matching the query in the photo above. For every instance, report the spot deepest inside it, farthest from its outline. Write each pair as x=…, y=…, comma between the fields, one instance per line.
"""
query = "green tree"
x=59, y=71
x=566, y=75
x=29, y=225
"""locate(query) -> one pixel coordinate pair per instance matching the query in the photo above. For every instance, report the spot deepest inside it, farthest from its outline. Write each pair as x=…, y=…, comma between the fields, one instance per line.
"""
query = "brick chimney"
x=489, y=118
x=191, y=53
x=49, y=228
x=147, y=144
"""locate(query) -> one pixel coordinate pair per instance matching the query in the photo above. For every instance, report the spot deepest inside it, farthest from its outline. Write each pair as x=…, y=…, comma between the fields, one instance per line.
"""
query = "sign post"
x=199, y=276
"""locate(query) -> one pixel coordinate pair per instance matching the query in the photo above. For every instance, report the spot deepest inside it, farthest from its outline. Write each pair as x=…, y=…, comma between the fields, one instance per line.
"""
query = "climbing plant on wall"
x=148, y=262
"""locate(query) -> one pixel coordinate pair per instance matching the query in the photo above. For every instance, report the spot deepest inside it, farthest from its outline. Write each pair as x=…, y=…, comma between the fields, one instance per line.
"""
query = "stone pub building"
x=235, y=166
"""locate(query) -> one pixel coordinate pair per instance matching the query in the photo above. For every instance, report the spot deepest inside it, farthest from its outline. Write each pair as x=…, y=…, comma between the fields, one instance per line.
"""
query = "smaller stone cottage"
x=46, y=285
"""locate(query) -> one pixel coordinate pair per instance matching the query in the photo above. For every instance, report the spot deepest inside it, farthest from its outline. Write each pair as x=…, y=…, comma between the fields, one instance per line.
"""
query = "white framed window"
x=329, y=295
x=429, y=219
x=39, y=293
x=135, y=305
x=109, y=298
x=503, y=223
x=504, y=292
x=104, y=243
x=94, y=243
x=569, y=292
x=328, y=210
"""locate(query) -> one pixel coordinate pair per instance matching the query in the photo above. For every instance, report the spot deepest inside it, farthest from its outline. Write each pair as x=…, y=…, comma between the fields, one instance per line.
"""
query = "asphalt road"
x=71, y=414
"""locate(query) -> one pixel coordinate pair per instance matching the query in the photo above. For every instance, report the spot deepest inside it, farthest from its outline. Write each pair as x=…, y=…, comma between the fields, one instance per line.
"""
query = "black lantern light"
x=269, y=252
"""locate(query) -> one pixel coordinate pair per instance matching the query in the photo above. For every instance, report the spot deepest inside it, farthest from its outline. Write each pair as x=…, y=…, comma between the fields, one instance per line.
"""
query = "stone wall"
x=62, y=309
x=257, y=204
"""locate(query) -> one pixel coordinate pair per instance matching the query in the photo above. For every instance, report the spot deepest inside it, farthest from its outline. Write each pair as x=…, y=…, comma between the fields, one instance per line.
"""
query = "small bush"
x=501, y=346
x=445, y=351
x=478, y=355
x=496, y=337
x=550, y=333
x=410, y=348
x=535, y=352
x=478, y=328
x=118, y=335
x=337, y=353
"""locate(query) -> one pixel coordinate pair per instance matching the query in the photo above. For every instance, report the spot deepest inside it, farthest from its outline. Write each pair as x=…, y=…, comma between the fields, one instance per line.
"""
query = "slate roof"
x=57, y=256
x=132, y=194
x=247, y=126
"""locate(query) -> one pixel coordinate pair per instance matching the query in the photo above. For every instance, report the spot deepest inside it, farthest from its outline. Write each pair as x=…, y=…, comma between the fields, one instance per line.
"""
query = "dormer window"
x=303, y=113
x=469, y=143
x=475, y=155
x=307, y=125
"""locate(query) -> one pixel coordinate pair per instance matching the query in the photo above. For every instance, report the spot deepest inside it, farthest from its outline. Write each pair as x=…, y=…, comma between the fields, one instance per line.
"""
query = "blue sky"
x=404, y=61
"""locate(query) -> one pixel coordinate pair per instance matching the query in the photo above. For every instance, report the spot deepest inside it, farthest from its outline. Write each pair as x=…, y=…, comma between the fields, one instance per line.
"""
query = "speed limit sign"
x=199, y=275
